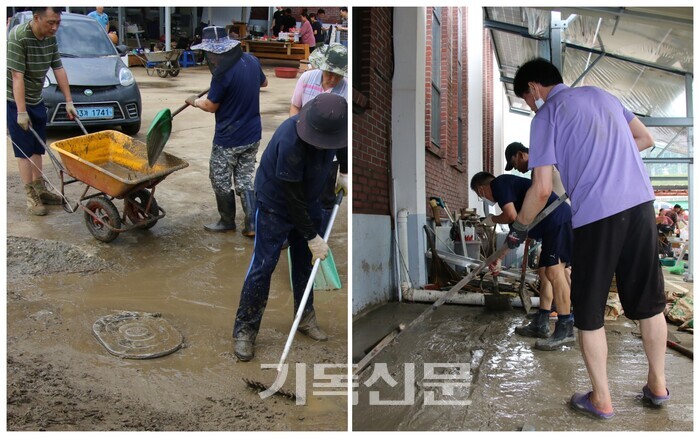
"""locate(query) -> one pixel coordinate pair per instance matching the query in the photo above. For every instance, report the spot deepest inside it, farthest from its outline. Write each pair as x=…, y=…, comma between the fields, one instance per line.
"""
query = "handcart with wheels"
x=113, y=166
x=163, y=63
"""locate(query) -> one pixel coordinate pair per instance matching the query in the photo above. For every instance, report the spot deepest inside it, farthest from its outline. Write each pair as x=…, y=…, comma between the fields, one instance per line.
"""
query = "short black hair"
x=677, y=206
x=305, y=15
x=344, y=9
x=41, y=10
x=537, y=70
x=480, y=179
x=321, y=11
x=312, y=15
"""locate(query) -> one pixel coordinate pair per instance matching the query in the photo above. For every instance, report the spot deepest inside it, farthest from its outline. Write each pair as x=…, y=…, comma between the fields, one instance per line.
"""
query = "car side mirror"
x=122, y=49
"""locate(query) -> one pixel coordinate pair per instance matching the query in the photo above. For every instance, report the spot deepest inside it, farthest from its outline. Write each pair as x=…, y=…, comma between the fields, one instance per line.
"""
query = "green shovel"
x=160, y=129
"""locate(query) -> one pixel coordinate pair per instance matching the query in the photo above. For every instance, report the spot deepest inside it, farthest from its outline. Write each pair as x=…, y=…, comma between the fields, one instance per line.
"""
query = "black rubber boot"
x=248, y=203
x=563, y=335
x=537, y=328
x=226, y=204
x=310, y=328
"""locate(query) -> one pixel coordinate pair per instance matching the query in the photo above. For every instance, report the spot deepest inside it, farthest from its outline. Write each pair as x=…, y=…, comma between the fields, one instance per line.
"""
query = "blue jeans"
x=272, y=229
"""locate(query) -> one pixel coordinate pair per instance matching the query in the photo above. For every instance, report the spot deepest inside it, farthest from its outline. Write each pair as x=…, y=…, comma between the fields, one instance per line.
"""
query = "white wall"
x=373, y=276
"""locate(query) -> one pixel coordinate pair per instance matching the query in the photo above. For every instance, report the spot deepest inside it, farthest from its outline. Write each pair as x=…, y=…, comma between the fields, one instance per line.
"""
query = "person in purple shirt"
x=595, y=142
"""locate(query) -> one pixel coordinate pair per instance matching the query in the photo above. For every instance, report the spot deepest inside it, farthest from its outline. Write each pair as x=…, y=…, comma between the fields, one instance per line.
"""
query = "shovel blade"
x=158, y=135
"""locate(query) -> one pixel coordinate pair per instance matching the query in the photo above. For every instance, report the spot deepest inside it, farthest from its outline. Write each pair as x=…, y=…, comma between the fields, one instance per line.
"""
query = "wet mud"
x=464, y=368
x=61, y=281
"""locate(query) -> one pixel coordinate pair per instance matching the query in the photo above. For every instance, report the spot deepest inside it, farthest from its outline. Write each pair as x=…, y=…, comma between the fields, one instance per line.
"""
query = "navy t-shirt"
x=238, y=94
x=288, y=158
x=511, y=188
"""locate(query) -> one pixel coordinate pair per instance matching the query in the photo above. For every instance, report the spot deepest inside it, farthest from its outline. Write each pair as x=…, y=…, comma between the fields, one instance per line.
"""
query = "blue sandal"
x=582, y=402
x=656, y=400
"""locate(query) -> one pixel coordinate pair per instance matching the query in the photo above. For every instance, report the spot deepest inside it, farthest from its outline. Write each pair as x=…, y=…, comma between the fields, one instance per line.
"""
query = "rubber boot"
x=248, y=203
x=310, y=328
x=34, y=205
x=537, y=328
x=226, y=204
x=563, y=335
x=244, y=346
x=47, y=197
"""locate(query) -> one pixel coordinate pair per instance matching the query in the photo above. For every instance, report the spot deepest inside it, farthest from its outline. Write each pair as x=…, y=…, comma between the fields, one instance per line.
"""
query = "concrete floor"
x=506, y=384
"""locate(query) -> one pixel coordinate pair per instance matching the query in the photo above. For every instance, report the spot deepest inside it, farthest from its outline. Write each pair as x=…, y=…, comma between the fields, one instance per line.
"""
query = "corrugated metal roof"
x=647, y=53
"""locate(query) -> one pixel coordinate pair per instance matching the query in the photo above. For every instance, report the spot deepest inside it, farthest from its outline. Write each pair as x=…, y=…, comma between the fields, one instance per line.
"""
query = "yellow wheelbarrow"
x=114, y=166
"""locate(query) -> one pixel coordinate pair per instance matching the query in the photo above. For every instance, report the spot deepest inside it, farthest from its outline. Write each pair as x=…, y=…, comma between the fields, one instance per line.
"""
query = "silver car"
x=104, y=90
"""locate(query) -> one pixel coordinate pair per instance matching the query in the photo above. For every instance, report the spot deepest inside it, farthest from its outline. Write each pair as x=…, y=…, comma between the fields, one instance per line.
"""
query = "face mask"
x=488, y=202
x=538, y=101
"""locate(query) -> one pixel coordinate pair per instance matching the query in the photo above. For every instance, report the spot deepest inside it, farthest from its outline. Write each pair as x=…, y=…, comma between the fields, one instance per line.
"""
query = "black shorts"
x=556, y=245
x=24, y=143
x=624, y=244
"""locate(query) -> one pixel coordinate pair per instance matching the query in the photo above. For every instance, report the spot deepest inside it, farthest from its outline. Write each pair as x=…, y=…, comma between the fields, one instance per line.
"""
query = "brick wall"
x=371, y=125
x=488, y=149
x=445, y=175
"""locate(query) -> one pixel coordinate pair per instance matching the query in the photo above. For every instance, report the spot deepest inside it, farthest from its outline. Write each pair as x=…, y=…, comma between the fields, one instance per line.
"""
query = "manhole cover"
x=137, y=335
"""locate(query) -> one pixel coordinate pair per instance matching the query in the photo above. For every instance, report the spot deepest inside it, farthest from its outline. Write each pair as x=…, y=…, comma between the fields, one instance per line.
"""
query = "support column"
x=408, y=132
x=475, y=130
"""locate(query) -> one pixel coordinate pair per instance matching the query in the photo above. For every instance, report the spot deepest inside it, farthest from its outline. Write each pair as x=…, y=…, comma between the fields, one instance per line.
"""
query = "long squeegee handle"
x=309, y=285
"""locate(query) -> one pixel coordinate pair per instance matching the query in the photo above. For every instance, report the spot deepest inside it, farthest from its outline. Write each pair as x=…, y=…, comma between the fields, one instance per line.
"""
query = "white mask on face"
x=488, y=202
x=538, y=101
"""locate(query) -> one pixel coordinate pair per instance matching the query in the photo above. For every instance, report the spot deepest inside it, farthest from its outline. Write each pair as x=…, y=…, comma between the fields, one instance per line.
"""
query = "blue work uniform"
x=554, y=231
x=287, y=161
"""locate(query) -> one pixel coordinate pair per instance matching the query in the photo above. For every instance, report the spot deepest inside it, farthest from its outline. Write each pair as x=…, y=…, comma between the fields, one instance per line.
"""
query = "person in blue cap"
x=288, y=183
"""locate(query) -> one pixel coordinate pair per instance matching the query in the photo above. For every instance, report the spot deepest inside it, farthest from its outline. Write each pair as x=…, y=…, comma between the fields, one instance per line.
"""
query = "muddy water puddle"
x=193, y=280
x=505, y=384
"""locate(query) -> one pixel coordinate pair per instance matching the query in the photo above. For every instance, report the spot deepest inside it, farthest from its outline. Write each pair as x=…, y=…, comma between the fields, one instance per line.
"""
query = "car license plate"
x=96, y=112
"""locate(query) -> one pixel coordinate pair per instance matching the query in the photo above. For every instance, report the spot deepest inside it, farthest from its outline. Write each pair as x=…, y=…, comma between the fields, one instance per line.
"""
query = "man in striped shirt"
x=31, y=49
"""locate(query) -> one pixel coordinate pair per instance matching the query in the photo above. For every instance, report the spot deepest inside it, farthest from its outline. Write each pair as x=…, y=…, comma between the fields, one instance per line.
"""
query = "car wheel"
x=131, y=129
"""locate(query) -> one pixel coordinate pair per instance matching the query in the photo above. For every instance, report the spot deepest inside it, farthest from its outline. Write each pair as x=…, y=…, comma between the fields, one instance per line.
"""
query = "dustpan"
x=327, y=277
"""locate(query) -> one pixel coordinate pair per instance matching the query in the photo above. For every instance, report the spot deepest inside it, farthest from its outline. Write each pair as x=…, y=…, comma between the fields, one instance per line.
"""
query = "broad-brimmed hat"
x=512, y=150
x=330, y=57
x=215, y=40
x=323, y=122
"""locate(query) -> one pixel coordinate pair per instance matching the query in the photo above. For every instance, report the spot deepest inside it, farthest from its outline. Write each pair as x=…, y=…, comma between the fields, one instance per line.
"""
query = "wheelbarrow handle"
x=179, y=110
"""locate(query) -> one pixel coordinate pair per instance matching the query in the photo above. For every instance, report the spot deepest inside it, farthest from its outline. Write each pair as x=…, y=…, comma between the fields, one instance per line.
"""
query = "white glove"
x=488, y=221
x=70, y=109
x=318, y=247
x=341, y=183
x=190, y=100
x=23, y=121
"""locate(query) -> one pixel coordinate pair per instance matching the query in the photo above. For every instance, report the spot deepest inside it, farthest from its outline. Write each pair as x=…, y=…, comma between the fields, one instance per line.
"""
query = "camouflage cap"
x=330, y=57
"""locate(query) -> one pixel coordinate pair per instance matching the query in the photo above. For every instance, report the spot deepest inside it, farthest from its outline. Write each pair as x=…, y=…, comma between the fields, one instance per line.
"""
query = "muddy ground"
x=60, y=280
x=464, y=368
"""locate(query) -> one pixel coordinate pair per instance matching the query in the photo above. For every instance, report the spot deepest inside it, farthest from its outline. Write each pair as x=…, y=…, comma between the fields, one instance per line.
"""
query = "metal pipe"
x=402, y=231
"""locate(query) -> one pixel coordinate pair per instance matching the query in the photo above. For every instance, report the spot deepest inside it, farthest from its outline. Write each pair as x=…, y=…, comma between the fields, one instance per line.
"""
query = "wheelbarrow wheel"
x=163, y=71
x=135, y=209
x=174, y=71
x=107, y=213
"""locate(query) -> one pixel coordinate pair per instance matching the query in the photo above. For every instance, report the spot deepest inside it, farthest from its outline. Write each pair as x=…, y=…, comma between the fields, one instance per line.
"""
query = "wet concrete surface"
x=191, y=277
x=503, y=383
